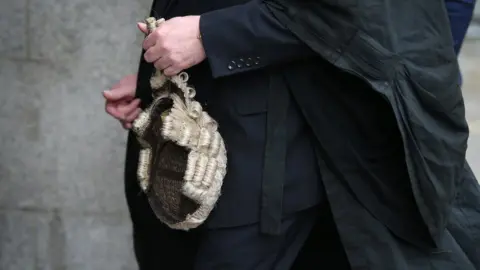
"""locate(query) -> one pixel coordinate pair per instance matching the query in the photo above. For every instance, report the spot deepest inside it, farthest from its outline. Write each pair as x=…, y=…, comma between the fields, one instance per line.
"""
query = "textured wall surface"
x=474, y=29
x=470, y=65
x=61, y=157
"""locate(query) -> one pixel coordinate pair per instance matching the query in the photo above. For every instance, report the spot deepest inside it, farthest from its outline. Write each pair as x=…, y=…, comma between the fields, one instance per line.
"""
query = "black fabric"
x=419, y=81
x=411, y=65
x=251, y=248
x=263, y=42
x=323, y=248
x=275, y=157
x=369, y=244
x=361, y=143
x=422, y=212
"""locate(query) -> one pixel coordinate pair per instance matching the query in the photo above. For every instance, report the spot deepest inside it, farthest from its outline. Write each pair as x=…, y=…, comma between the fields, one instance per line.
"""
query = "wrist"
x=199, y=33
x=195, y=20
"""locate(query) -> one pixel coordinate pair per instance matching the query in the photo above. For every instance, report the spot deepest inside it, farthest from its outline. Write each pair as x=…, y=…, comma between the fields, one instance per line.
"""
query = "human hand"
x=120, y=101
x=174, y=45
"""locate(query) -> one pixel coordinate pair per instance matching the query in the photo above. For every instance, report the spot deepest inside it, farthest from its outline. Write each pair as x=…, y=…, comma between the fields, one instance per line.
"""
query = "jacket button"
x=232, y=65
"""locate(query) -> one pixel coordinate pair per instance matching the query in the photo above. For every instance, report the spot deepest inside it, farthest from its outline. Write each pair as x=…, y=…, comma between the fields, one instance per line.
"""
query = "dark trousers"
x=244, y=247
x=308, y=241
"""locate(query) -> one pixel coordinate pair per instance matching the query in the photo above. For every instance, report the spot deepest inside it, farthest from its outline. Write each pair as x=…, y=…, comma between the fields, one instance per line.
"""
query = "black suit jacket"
x=233, y=85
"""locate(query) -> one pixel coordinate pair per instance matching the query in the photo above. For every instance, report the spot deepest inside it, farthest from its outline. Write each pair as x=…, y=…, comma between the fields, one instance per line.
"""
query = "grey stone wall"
x=474, y=29
x=61, y=156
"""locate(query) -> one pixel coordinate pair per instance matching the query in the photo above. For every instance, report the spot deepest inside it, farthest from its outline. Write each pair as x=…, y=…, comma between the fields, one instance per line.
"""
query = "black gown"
x=374, y=209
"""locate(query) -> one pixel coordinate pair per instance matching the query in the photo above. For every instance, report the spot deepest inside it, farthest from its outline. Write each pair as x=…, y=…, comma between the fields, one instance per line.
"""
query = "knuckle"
x=173, y=59
x=133, y=106
x=146, y=56
x=162, y=46
x=108, y=110
x=149, y=53
x=169, y=72
x=132, y=117
x=145, y=44
x=158, y=34
x=155, y=37
x=182, y=65
x=168, y=59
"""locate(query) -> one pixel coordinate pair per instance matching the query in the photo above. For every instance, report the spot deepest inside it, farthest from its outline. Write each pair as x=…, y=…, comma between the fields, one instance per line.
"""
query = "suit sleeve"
x=247, y=37
x=460, y=13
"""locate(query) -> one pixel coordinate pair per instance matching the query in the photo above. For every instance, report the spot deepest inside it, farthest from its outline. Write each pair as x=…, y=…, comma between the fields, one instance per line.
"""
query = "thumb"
x=118, y=94
x=142, y=27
